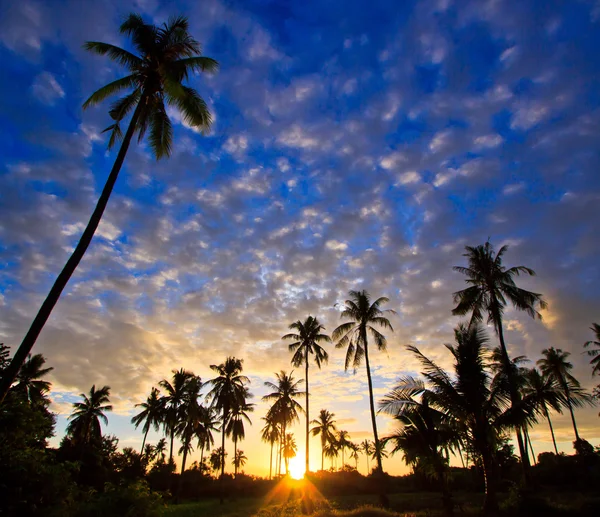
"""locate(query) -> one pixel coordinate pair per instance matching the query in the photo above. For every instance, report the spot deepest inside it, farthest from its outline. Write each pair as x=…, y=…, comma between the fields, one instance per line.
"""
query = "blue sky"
x=356, y=145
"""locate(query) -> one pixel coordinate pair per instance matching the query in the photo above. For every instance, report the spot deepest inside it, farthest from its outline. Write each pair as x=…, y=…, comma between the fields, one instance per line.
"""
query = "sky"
x=356, y=145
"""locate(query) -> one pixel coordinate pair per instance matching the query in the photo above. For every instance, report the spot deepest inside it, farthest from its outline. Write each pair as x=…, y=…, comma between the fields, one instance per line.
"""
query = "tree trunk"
x=201, y=457
x=572, y=415
x=515, y=398
x=447, y=502
x=171, y=449
x=235, y=463
x=490, y=504
x=10, y=374
x=372, y=403
x=323, y=453
x=306, y=468
x=528, y=438
x=144, y=441
x=179, y=485
x=222, y=457
x=551, y=430
x=271, y=462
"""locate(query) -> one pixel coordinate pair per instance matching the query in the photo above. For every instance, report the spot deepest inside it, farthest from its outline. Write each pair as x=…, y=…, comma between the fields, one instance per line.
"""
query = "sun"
x=297, y=468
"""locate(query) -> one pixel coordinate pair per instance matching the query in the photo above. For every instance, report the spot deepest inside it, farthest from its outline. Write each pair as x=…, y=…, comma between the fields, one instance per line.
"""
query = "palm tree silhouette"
x=324, y=426
x=543, y=391
x=595, y=353
x=343, y=441
x=306, y=342
x=171, y=402
x=160, y=449
x=151, y=414
x=29, y=380
x=209, y=422
x=270, y=434
x=355, y=449
x=84, y=426
x=554, y=365
x=423, y=433
x=239, y=460
x=354, y=335
x=289, y=450
x=235, y=426
x=168, y=55
x=492, y=286
x=285, y=408
x=367, y=447
x=228, y=391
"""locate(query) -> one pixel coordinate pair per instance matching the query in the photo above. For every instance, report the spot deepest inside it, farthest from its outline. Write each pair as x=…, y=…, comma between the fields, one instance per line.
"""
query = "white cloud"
x=409, y=177
x=46, y=89
x=295, y=136
x=526, y=117
x=392, y=160
x=439, y=140
x=336, y=245
x=513, y=188
x=488, y=141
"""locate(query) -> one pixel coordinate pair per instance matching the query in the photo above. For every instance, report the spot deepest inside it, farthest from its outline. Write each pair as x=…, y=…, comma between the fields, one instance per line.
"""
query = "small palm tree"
x=151, y=414
x=235, y=426
x=354, y=452
x=167, y=56
x=367, y=447
x=171, y=402
x=306, y=339
x=491, y=287
x=209, y=422
x=84, y=426
x=554, y=364
x=270, y=435
x=595, y=353
x=285, y=408
x=289, y=450
x=228, y=391
x=239, y=460
x=353, y=335
x=343, y=441
x=160, y=449
x=332, y=450
x=543, y=392
x=29, y=380
x=324, y=426
x=217, y=456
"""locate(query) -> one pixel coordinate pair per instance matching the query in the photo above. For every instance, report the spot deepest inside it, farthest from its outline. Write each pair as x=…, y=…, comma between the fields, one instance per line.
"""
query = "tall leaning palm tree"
x=354, y=335
x=594, y=353
x=543, y=392
x=554, y=364
x=151, y=414
x=307, y=336
x=228, y=391
x=324, y=426
x=491, y=287
x=167, y=56
x=84, y=426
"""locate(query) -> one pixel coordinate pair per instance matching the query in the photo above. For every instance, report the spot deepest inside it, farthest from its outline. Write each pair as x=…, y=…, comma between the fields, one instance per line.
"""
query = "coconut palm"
x=160, y=449
x=491, y=287
x=29, y=380
x=475, y=407
x=554, y=364
x=325, y=427
x=270, y=434
x=306, y=339
x=367, y=447
x=594, y=353
x=332, y=450
x=235, y=426
x=285, y=408
x=217, y=457
x=289, y=450
x=354, y=452
x=151, y=414
x=239, y=460
x=228, y=391
x=354, y=335
x=423, y=433
x=171, y=402
x=343, y=441
x=167, y=56
x=543, y=392
x=209, y=422
x=84, y=426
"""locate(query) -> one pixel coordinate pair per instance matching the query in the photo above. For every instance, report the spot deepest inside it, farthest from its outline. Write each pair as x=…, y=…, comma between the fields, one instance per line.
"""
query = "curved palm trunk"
x=144, y=440
x=10, y=374
x=372, y=403
x=307, y=468
x=515, y=398
x=551, y=429
x=570, y=406
x=528, y=440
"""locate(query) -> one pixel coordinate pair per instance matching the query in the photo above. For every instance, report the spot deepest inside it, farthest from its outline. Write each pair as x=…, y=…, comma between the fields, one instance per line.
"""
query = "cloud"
x=46, y=89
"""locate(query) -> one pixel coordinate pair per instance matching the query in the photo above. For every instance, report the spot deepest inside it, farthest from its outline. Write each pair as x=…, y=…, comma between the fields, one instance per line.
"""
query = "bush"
x=134, y=500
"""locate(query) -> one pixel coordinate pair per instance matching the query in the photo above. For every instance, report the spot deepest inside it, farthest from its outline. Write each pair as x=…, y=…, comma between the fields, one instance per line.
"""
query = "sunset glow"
x=297, y=467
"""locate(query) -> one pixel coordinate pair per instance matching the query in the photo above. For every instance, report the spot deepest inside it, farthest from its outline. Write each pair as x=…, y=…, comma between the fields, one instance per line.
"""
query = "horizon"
x=351, y=149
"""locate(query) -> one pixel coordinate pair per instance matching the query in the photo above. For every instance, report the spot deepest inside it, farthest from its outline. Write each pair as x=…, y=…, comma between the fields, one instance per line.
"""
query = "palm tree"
x=324, y=426
x=543, y=391
x=84, y=426
x=171, y=402
x=475, y=407
x=354, y=335
x=209, y=421
x=151, y=414
x=239, y=460
x=595, y=353
x=285, y=408
x=343, y=441
x=423, y=432
x=235, y=426
x=217, y=457
x=270, y=434
x=289, y=450
x=29, y=380
x=491, y=287
x=307, y=337
x=367, y=447
x=228, y=391
x=168, y=55
x=554, y=365
x=332, y=450
x=160, y=449
x=355, y=449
